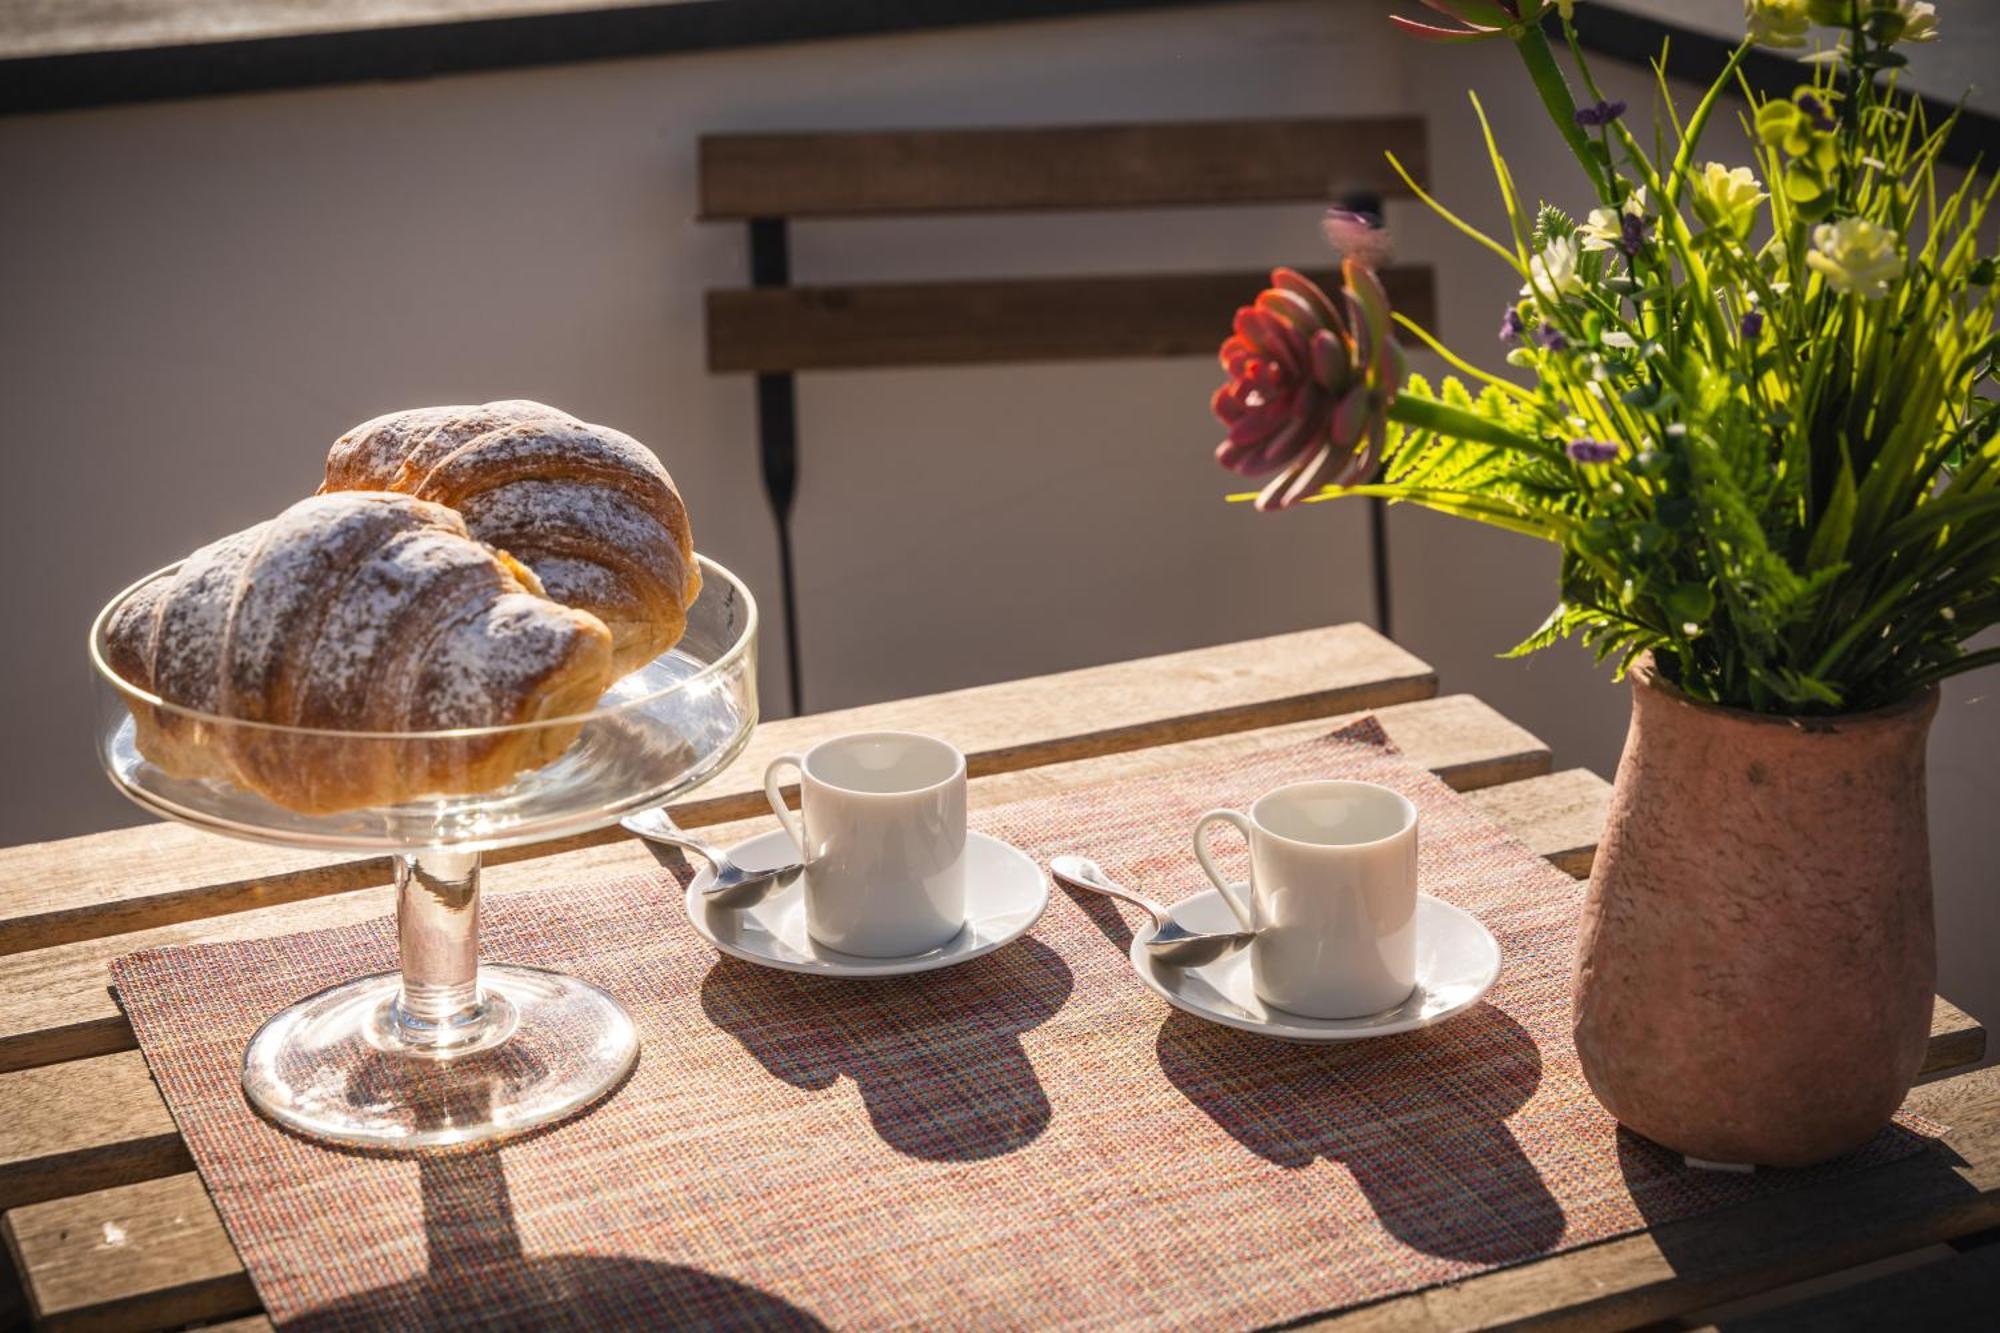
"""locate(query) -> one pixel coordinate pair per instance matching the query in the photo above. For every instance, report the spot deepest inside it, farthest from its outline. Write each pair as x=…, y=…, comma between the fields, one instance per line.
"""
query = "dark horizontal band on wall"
x=991, y=322
x=1159, y=165
x=223, y=48
x=236, y=48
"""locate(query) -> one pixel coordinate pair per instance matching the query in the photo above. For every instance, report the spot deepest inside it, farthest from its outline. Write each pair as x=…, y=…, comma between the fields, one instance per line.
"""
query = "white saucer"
x=1005, y=893
x=1457, y=961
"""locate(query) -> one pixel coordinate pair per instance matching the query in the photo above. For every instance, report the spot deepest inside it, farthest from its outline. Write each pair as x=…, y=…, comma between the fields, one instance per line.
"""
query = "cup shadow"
x=1418, y=1119
x=937, y=1056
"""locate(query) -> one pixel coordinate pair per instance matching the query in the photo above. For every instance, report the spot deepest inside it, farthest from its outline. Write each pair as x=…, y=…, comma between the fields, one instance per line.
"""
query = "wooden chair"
x=775, y=329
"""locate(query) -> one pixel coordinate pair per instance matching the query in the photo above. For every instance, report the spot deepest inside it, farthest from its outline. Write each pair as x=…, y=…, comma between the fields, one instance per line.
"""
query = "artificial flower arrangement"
x=1759, y=427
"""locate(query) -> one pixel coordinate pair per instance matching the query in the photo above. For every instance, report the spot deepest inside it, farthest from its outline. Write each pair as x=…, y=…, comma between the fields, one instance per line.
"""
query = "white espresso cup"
x=1333, y=896
x=882, y=837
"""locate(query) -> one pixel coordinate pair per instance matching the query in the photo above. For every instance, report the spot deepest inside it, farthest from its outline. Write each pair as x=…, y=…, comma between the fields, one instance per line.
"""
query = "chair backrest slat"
x=882, y=173
x=780, y=329
x=775, y=329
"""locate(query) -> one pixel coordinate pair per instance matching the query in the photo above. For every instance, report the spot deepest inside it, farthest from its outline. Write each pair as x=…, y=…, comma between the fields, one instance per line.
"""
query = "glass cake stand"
x=447, y=1051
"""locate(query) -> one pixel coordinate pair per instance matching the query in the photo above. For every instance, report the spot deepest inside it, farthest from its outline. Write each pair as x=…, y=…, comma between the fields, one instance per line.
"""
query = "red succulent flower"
x=1310, y=383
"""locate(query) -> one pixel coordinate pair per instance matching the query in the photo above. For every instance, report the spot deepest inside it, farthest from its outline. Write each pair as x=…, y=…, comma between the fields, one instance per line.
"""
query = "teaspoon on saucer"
x=1172, y=943
x=731, y=884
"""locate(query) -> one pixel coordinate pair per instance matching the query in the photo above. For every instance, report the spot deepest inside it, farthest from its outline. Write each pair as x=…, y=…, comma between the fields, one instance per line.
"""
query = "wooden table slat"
x=1562, y=813
x=85, y=1125
x=133, y=879
x=1962, y=1291
x=134, y=1257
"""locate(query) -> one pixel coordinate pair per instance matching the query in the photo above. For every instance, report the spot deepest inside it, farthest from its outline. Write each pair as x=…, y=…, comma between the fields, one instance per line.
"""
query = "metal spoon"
x=1172, y=943
x=730, y=884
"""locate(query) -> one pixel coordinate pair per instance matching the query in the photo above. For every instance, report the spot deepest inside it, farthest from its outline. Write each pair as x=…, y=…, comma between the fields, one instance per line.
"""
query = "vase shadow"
x=937, y=1056
x=1883, y=1176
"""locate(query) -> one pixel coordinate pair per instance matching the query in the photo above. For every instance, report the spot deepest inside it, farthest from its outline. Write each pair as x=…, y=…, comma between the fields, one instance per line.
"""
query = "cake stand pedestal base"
x=446, y=1051
x=335, y=1067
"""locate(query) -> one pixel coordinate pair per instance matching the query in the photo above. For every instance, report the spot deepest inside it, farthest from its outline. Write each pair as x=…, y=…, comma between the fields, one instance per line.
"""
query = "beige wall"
x=196, y=297
x=1959, y=64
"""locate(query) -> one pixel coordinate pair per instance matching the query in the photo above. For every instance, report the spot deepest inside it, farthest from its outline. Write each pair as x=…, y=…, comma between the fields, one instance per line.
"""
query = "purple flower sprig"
x=1631, y=234
x=1550, y=338
x=1592, y=451
x=1511, y=325
x=1751, y=325
x=1599, y=114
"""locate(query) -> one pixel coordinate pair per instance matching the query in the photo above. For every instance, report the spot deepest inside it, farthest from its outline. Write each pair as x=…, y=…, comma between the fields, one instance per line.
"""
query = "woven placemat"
x=1029, y=1139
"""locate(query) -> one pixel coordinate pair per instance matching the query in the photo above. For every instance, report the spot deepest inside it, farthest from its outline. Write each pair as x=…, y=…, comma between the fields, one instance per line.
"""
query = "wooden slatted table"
x=107, y=1226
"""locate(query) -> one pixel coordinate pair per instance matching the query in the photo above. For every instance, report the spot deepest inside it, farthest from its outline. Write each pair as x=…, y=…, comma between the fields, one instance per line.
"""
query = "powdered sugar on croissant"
x=355, y=612
x=589, y=509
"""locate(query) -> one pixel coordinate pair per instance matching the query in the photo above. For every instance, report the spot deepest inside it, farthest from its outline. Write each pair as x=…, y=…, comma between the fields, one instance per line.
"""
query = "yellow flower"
x=1727, y=197
x=1776, y=22
x=1856, y=256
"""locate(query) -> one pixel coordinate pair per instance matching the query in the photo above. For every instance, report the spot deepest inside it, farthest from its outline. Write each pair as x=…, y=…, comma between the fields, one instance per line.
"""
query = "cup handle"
x=794, y=825
x=1201, y=854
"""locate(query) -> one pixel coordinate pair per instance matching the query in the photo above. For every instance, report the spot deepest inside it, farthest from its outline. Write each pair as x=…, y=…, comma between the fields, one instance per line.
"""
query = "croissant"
x=589, y=509
x=357, y=612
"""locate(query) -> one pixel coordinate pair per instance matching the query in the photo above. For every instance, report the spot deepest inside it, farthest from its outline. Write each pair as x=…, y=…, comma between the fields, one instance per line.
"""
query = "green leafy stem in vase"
x=1761, y=427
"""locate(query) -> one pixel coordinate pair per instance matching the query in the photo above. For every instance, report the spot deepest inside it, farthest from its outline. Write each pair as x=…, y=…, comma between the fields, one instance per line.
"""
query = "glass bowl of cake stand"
x=447, y=1051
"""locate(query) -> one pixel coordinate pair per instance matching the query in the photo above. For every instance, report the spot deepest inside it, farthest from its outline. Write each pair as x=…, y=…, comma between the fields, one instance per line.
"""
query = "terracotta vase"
x=1756, y=964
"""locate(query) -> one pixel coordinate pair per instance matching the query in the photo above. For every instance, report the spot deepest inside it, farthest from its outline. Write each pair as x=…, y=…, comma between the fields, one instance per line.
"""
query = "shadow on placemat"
x=1302, y=1107
x=1432, y=1152
x=937, y=1056
x=478, y=1276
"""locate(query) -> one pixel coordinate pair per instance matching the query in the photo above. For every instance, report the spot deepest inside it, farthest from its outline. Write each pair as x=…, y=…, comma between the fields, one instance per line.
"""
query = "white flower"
x=1553, y=271
x=1856, y=256
x=1620, y=339
x=1776, y=22
x=1919, y=21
